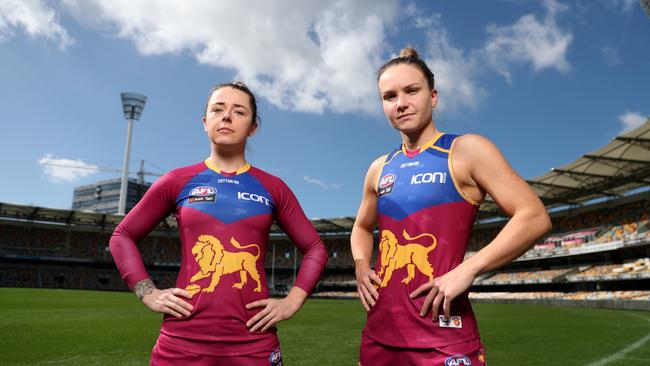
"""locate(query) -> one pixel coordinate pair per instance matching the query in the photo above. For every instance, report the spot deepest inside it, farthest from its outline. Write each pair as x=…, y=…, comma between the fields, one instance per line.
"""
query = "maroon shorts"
x=460, y=354
x=163, y=355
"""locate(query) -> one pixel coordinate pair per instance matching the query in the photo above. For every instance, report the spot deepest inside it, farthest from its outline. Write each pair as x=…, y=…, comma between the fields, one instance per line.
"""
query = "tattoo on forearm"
x=144, y=287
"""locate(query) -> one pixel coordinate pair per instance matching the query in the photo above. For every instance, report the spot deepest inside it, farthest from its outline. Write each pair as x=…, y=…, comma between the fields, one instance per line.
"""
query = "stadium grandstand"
x=598, y=253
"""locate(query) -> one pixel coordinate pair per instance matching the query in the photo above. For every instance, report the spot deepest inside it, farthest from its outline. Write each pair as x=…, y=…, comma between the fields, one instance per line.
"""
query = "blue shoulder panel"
x=445, y=141
x=408, y=185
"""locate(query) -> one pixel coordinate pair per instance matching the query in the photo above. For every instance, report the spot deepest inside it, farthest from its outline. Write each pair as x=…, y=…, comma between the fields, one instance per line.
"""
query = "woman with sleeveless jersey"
x=424, y=196
x=219, y=312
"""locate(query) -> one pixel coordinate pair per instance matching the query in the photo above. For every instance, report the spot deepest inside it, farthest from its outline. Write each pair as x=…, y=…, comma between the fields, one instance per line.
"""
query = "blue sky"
x=545, y=80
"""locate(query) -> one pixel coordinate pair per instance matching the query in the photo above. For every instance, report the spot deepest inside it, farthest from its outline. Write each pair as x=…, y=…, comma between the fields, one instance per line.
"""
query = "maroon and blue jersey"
x=224, y=220
x=424, y=226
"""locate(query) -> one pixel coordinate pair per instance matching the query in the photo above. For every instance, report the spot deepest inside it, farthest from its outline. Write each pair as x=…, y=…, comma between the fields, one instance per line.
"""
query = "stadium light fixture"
x=132, y=106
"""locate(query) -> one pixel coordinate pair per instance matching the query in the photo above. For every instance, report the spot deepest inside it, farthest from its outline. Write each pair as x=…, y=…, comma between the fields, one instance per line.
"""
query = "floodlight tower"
x=132, y=106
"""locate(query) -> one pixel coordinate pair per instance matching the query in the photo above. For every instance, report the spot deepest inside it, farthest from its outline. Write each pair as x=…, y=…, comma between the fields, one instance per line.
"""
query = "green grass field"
x=63, y=327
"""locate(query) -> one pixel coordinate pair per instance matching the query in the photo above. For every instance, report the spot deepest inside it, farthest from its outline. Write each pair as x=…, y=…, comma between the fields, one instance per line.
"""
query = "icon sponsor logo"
x=451, y=322
x=458, y=360
x=410, y=164
x=275, y=358
x=202, y=194
x=253, y=197
x=436, y=177
x=386, y=184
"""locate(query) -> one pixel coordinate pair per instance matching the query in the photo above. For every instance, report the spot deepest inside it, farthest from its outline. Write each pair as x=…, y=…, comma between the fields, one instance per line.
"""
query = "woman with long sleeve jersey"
x=220, y=312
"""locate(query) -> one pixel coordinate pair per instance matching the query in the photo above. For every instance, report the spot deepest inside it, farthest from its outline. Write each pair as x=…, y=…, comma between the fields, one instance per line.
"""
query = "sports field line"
x=620, y=354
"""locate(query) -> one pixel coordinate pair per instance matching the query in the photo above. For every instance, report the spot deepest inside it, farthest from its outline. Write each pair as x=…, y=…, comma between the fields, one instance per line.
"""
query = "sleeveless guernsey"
x=424, y=226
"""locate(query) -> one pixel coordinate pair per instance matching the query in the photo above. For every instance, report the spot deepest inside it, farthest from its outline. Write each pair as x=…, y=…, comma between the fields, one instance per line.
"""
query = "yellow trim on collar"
x=243, y=169
x=213, y=167
x=428, y=144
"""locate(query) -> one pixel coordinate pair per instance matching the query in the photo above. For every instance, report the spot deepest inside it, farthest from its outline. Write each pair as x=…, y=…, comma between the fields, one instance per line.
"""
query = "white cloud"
x=299, y=55
x=624, y=6
x=610, y=55
x=540, y=43
x=454, y=70
x=420, y=20
x=35, y=18
x=320, y=183
x=65, y=170
x=314, y=56
x=631, y=120
x=528, y=41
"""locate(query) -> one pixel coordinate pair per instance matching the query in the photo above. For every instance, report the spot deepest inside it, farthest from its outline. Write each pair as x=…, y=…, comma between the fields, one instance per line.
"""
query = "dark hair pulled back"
x=409, y=56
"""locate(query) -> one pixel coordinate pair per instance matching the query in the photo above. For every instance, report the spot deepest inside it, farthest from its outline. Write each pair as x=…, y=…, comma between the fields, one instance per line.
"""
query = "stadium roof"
x=95, y=220
x=618, y=167
x=12, y=212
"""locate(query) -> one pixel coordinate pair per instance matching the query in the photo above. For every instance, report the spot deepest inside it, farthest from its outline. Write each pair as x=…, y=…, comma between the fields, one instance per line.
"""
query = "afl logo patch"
x=202, y=194
x=386, y=184
x=458, y=360
x=275, y=358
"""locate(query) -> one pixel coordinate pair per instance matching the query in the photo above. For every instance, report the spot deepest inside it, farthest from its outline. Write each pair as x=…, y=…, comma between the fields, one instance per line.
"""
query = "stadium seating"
x=628, y=221
x=165, y=250
x=546, y=276
x=60, y=256
x=639, y=268
x=580, y=295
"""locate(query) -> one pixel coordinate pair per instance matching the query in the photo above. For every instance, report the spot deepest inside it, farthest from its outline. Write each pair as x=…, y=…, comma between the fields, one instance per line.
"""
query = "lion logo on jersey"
x=214, y=260
x=411, y=255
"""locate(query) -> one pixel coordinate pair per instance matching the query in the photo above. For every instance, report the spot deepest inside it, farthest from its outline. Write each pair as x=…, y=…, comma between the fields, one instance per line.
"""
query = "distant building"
x=104, y=196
